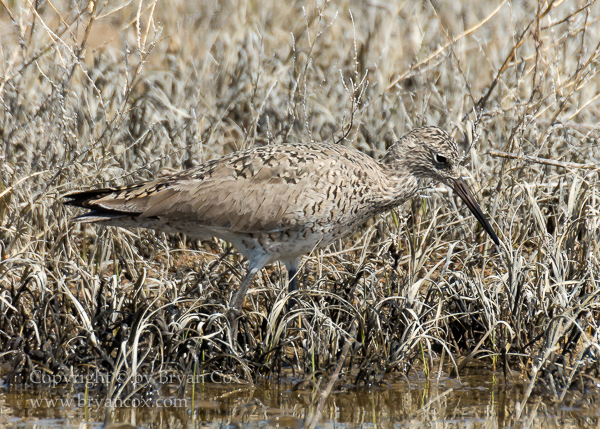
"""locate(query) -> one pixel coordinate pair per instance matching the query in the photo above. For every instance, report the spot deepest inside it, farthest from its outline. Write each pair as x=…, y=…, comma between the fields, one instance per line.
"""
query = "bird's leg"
x=235, y=305
x=292, y=269
x=293, y=286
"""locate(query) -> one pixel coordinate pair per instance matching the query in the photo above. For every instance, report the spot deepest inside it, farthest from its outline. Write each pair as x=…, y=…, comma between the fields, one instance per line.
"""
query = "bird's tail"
x=92, y=200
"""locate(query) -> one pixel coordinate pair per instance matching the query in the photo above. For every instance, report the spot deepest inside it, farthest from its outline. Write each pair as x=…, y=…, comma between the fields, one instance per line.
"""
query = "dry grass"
x=109, y=93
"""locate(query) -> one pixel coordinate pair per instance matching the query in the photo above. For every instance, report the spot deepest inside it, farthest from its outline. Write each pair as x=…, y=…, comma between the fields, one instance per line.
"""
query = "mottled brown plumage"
x=280, y=202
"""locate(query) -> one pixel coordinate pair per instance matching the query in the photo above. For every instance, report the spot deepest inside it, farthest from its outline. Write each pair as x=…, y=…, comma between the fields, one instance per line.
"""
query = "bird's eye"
x=439, y=158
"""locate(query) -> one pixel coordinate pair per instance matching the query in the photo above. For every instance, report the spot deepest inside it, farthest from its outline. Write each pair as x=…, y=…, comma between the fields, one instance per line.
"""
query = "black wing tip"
x=89, y=200
x=81, y=198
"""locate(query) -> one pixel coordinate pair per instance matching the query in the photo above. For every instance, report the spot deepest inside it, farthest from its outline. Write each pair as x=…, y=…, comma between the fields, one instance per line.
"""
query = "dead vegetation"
x=109, y=93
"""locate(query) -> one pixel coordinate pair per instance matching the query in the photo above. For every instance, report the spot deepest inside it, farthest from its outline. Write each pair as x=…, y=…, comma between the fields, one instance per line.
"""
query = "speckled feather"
x=279, y=202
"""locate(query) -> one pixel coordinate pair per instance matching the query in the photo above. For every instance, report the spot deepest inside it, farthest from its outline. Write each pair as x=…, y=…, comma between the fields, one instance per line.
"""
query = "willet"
x=282, y=201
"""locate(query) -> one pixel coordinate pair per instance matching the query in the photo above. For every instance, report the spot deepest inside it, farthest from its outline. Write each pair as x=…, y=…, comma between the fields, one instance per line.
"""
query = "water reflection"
x=476, y=402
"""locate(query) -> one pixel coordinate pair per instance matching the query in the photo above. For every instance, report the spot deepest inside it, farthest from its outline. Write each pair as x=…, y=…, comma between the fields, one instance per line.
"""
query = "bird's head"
x=431, y=153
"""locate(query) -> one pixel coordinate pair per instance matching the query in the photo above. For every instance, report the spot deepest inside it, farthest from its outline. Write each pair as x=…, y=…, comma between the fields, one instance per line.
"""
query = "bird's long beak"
x=461, y=188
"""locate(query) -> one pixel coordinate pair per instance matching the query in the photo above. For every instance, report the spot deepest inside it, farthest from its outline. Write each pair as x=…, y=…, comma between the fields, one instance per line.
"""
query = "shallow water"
x=476, y=401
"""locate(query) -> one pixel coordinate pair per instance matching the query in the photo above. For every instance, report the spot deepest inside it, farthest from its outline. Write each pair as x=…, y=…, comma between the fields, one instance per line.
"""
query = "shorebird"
x=280, y=202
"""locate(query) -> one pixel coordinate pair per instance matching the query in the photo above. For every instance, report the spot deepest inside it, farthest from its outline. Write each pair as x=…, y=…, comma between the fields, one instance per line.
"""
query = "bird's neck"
x=398, y=182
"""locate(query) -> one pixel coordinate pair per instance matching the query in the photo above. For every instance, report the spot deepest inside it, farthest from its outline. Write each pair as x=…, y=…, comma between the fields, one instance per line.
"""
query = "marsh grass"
x=104, y=94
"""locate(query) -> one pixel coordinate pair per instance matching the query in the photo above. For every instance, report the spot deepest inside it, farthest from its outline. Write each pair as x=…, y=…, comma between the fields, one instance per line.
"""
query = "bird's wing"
x=281, y=189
